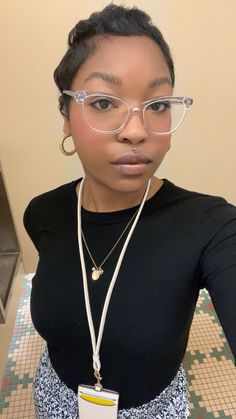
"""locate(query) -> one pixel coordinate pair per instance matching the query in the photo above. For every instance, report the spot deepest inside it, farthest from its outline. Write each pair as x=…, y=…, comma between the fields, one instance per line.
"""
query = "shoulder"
x=59, y=193
x=198, y=202
x=195, y=211
x=50, y=203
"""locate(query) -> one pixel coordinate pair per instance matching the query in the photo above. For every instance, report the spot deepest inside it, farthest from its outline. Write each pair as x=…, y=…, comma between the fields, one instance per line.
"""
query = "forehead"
x=127, y=58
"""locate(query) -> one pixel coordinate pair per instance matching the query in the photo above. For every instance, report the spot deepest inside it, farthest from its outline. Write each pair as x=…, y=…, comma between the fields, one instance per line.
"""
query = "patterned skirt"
x=54, y=400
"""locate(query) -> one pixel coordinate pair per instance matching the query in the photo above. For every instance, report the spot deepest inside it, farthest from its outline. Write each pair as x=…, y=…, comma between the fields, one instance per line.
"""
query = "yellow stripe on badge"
x=97, y=400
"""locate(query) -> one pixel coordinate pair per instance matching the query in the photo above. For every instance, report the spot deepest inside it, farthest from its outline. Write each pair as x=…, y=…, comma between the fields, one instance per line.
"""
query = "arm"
x=219, y=275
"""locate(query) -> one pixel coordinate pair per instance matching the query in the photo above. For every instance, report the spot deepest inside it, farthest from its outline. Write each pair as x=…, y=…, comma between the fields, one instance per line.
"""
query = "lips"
x=132, y=158
x=132, y=164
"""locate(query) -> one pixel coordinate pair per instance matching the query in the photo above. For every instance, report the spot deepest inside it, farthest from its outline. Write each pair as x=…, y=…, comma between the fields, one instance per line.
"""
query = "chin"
x=130, y=184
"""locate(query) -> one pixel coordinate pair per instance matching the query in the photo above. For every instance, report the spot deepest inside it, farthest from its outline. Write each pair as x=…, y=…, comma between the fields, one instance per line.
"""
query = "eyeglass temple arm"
x=68, y=92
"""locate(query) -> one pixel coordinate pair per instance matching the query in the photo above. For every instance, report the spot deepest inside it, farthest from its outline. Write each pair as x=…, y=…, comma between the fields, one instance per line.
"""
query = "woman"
x=140, y=243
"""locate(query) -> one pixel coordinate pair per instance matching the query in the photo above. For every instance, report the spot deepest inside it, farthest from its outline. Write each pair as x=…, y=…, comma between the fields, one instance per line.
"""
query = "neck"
x=98, y=198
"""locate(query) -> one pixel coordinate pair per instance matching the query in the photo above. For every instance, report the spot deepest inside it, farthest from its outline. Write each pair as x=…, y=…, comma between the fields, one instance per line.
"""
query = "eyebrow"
x=111, y=79
x=108, y=78
x=159, y=81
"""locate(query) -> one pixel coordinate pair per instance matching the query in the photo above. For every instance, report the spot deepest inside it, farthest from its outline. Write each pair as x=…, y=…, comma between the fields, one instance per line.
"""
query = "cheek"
x=89, y=145
x=161, y=145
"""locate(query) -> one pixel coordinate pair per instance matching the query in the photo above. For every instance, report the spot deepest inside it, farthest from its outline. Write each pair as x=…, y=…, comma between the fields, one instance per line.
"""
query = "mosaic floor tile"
x=208, y=363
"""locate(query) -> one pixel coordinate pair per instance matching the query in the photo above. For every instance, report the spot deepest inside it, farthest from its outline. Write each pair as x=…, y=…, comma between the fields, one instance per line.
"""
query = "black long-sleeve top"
x=184, y=241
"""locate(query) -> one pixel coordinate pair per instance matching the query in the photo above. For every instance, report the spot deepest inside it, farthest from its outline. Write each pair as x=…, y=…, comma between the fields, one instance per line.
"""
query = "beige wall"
x=33, y=39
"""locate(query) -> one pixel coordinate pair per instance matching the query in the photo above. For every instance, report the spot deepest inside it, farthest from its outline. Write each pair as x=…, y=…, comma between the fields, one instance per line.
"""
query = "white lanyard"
x=96, y=345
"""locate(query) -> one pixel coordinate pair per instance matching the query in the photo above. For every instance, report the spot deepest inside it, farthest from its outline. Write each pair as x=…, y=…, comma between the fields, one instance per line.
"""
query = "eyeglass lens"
x=109, y=114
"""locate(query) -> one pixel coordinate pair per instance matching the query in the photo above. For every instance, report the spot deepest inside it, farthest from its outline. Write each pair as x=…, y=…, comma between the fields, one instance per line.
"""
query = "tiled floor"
x=208, y=363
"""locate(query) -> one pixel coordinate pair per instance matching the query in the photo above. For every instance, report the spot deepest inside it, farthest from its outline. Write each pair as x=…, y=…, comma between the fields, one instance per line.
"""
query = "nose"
x=134, y=130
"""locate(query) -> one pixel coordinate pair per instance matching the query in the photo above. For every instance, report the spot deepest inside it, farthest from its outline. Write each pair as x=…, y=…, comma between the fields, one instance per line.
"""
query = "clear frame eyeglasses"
x=109, y=114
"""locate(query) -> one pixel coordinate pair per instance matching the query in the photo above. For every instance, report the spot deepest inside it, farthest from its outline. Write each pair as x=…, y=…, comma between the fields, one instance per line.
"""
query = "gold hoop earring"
x=62, y=148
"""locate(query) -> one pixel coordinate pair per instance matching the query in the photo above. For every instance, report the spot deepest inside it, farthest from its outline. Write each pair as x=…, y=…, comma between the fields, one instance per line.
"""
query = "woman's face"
x=134, y=69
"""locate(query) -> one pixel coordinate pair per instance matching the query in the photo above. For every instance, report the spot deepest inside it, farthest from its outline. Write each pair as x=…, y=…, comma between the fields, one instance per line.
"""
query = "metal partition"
x=9, y=250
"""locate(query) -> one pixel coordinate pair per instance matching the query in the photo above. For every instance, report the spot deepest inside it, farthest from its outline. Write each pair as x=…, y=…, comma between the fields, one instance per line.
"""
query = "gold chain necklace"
x=97, y=270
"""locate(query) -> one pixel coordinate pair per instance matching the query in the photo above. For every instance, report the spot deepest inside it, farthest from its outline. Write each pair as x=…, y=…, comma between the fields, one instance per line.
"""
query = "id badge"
x=94, y=404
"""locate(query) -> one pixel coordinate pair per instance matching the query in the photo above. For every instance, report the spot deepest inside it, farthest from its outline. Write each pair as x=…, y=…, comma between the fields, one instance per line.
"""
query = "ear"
x=66, y=127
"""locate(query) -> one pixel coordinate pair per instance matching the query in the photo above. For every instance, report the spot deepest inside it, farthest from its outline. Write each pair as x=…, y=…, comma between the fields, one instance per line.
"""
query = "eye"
x=159, y=106
x=102, y=103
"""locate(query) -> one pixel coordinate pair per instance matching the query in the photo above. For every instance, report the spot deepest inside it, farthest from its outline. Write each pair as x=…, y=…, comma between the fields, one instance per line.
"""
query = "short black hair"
x=82, y=41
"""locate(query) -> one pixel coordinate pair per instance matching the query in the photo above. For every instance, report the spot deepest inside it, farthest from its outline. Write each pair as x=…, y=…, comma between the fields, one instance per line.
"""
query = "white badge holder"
x=94, y=404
